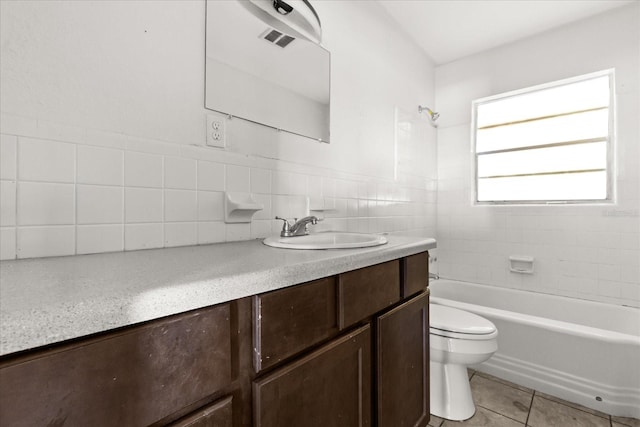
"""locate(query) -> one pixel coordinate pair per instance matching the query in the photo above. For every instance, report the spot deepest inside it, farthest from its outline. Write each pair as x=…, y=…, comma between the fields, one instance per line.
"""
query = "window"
x=546, y=144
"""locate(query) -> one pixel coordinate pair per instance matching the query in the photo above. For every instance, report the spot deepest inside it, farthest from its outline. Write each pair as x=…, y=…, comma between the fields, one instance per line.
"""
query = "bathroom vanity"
x=345, y=348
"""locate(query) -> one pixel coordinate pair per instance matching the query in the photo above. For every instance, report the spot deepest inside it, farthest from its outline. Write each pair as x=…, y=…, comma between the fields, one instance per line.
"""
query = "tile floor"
x=500, y=403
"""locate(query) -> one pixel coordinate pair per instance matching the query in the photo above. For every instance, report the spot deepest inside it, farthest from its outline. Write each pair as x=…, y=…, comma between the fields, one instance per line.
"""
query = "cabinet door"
x=403, y=364
x=218, y=414
x=330, y=387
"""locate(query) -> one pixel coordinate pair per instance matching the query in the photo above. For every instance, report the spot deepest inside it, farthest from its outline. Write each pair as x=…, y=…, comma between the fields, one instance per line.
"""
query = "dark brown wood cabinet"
x=403, y=364
x=415, y=274
x=318, y=388
x=217, y=414
x=293, y=319
x=330, y=387
x=349, y=350
x=366, y=291
x=133, y=377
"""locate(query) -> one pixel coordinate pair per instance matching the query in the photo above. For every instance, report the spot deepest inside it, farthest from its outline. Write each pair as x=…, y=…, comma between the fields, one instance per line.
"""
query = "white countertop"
x=49, y=300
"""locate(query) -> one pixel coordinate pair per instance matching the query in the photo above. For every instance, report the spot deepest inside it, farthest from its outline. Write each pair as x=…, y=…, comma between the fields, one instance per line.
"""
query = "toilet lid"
x=451, y=319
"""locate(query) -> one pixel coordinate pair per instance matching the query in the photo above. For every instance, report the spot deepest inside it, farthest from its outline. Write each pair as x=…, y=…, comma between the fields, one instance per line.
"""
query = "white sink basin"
x=326, y=240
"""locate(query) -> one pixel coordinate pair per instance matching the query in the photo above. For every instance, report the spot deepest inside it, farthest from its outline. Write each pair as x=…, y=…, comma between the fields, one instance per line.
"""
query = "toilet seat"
x=454, y=323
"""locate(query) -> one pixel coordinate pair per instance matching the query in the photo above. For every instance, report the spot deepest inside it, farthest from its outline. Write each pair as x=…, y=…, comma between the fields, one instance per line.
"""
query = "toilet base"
x=450, y=392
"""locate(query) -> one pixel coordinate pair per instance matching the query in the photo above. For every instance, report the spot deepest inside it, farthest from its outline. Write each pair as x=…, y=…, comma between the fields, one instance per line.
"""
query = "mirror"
x=257, y=72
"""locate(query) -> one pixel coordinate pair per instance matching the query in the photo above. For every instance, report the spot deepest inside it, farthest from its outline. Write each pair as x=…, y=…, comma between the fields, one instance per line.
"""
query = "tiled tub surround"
x=581, y=251
x=49, y=300
x=66, y=198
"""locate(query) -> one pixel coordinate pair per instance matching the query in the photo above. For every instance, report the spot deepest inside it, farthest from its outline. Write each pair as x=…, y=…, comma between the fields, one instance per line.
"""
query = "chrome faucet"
x=298, y=228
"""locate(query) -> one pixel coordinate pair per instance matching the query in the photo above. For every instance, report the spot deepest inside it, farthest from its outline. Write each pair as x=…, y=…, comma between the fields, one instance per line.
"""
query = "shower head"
x=432, y=114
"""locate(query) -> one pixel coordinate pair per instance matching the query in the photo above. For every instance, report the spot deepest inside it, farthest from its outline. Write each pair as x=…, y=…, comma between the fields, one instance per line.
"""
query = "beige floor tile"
x=501, y=398
x=547, y=413
x=631, y=422
x=571, y=404
x=500, y=380
x=484, y=418
x=435, y=421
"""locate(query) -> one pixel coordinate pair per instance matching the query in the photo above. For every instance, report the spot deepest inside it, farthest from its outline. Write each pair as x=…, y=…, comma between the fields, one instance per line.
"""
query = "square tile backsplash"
x=113, y=193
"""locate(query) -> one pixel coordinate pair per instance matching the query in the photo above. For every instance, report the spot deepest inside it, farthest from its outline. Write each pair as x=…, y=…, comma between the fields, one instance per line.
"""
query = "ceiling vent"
x=276, y=37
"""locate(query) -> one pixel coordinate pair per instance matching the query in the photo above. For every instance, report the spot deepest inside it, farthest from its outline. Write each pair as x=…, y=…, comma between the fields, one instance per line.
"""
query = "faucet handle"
x=285, y=226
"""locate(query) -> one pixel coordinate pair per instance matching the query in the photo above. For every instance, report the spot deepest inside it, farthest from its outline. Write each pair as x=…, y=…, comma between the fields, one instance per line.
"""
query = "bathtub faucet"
x=433, y=276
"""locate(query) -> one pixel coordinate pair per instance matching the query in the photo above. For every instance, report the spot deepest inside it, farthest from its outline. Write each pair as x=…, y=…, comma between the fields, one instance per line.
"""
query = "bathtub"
x=581, y=351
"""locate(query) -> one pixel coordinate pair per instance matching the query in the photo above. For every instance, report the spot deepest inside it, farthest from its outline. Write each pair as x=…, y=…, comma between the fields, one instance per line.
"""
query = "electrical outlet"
x=216, y=131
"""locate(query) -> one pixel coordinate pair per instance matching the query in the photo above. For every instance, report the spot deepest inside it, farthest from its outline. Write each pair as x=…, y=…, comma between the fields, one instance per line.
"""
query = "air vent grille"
x=284, y=41
x=276, y=37
x=272, y=36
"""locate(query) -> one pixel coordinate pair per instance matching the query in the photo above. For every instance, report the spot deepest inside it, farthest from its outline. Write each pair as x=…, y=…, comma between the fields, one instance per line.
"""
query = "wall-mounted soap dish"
x=521, y=264
x=240, y=207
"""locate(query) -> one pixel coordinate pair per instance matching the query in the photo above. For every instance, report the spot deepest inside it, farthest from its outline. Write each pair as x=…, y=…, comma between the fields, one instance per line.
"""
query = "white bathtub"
x=582, y=351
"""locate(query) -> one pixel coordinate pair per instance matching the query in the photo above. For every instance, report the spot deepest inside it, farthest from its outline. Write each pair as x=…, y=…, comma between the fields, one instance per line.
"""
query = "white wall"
x=103, y=129
x=590, y=252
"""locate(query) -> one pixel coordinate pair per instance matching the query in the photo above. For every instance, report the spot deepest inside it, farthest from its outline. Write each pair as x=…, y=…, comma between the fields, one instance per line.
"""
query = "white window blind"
x=546, y=144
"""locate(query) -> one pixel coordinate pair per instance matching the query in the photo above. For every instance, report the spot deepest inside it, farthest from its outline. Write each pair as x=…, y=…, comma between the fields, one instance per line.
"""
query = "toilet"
x=457, y=339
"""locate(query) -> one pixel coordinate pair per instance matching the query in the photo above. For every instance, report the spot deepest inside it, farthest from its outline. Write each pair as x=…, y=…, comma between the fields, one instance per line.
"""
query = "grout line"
x=504, y=382
x=502, y=415
x=526, y=423
x=75, y=199
x=16, y=220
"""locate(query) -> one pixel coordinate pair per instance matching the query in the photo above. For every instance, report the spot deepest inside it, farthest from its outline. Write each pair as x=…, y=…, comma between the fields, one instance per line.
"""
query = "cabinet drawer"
x=133, y=377
x=363, y=292
x=290, y=320
x=217, y=414
x=330, y=387
x=415, y=273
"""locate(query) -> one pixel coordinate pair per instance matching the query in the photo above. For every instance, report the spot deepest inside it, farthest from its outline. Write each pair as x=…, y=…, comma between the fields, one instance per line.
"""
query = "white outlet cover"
x=216, y=131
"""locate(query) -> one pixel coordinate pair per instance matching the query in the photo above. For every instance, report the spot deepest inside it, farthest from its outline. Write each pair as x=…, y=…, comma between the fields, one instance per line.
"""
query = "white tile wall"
x=46, y=204
x=260, y=229
x=211, y=205
x=7, y=242
x=149, y=147
x=143, y=205
x=142, y=170
x=100, y=166
x=211, y=176
x=180, y=205
x=8, y=156
x=93, y=239
x=180, y=173
x=7, y=203
x=211, y=232
x=34, y=242
x=102, y=197
x=587, y=251
x=238, y=179
x=100, y=204
x=143, y=236
x=260, y=181
x=46, y=160
x=237, y=232
x=180, y=234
